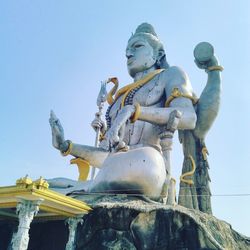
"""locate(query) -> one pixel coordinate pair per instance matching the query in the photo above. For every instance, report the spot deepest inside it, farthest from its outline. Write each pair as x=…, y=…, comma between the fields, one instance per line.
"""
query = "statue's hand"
x=213, y=61
x=57, y=131
x=204, y=56
x=98, y=123
x=115, y=134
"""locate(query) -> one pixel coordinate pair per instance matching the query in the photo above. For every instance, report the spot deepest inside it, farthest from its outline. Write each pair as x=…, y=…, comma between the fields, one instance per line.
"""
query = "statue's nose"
x=129, y=53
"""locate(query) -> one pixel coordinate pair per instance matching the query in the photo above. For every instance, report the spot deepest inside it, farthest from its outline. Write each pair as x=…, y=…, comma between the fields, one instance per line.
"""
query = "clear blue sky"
x=53, y=55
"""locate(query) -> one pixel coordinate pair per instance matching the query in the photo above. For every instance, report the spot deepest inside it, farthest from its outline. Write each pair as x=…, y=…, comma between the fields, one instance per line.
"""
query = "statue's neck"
x=142, y=74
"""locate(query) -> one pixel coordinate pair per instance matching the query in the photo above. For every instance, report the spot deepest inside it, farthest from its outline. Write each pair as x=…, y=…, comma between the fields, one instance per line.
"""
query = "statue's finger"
x=53, y=115
x=56, y=130
x=199, y=65
x=213, y=61
x=59, y=126
x=98, y=124
x=116, y=139
x=50, y=122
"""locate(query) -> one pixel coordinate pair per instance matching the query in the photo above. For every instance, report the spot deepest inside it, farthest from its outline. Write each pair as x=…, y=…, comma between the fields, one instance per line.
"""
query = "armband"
x=175, y=94
x=68, y=151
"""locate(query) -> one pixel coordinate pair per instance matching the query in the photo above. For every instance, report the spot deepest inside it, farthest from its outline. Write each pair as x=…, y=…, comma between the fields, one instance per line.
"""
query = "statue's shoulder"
x=176, y=77
x=174, y=72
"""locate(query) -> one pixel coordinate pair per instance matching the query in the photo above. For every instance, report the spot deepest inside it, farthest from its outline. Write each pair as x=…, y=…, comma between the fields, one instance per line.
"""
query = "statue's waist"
x=142, y=145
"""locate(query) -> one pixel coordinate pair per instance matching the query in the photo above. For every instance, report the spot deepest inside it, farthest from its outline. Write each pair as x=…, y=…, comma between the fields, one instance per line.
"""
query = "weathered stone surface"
x=107, y=223
x=121, y=222
x=135, y=224
x=114, y=239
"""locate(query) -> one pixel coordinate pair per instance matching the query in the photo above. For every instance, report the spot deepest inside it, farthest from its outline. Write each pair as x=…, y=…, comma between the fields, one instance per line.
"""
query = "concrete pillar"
x=72, y=223
x=26, y=211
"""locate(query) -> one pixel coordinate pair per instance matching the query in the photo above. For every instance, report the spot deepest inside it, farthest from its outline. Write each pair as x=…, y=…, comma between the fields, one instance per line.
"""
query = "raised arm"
x=209, y=101
x=95, y=156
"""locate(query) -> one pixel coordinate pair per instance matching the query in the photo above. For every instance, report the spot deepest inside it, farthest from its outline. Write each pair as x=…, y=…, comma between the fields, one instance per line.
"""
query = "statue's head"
x=145, y=50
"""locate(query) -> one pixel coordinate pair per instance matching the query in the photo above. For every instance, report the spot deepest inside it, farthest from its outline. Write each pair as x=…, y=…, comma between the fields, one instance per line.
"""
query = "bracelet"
x=136, y=114
x=101, y=136
x=217, y=67
x=68, y=151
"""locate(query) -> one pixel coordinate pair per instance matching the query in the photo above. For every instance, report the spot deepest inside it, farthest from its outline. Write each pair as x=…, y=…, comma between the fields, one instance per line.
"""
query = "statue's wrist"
x=214, y=68
x=104, y=128
x=66, y=147
x=136, y=114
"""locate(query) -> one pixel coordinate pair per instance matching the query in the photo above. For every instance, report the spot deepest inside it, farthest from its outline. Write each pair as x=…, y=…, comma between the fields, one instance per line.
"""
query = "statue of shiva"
x=136, y=138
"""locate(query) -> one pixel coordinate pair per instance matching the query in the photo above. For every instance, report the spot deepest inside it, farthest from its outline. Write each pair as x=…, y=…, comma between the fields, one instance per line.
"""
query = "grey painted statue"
x=133, y=157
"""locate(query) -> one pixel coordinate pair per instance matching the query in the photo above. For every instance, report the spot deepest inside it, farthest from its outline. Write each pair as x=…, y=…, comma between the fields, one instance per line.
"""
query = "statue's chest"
x=150, y=94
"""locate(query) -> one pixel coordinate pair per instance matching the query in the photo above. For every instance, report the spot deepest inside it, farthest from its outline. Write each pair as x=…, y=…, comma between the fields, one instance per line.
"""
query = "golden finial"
x=41, y=183
x=24, y=181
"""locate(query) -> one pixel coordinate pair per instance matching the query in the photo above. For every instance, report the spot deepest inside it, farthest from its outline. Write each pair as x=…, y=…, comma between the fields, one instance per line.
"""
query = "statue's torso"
x=152, y=94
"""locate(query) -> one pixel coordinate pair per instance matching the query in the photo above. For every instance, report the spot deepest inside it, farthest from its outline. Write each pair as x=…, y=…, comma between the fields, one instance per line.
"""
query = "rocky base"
x=121, y=222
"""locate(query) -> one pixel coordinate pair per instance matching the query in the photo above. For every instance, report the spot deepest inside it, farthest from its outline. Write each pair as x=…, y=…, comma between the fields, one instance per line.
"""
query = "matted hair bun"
x=146, y=28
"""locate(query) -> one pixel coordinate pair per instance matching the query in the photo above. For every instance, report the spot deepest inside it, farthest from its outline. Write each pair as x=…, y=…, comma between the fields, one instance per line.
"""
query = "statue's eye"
x=138, y=45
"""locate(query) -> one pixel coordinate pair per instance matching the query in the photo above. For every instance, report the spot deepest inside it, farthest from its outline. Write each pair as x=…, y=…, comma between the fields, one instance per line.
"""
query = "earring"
x=158, y=63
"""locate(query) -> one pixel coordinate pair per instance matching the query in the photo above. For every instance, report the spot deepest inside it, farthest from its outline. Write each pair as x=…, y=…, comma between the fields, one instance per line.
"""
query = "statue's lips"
x=130, y=60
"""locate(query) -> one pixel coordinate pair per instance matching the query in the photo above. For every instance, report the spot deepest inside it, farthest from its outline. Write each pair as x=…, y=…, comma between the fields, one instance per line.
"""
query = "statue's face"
x=140, y=55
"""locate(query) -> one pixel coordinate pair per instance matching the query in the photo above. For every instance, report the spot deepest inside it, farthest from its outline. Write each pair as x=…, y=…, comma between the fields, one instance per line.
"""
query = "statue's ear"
x=160, y=55
x=161, y=60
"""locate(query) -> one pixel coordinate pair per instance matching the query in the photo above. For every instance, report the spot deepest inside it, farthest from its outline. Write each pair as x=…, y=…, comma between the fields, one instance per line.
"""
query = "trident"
x=101, y=99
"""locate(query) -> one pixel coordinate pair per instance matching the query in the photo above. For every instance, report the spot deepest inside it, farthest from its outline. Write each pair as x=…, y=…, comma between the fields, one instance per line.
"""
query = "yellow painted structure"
x=83, y=168
x=53, y=204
